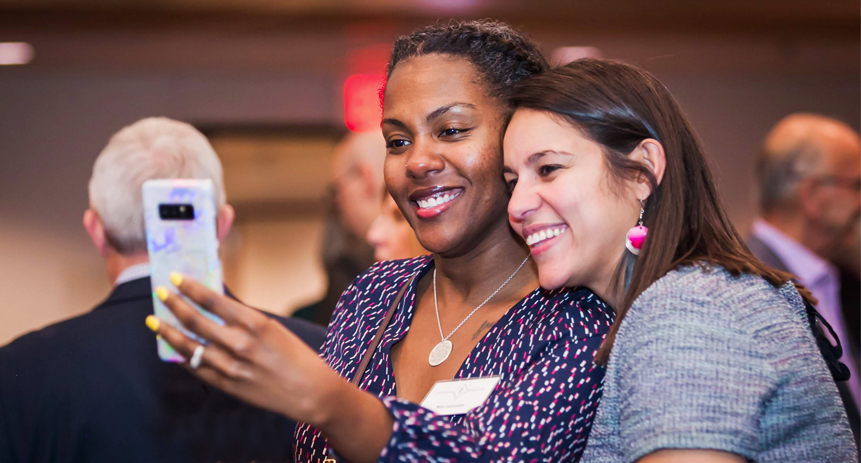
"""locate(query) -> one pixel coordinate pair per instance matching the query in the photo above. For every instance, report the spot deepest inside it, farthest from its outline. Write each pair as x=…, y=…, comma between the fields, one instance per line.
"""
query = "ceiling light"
x=15, y=53
x=564, y=55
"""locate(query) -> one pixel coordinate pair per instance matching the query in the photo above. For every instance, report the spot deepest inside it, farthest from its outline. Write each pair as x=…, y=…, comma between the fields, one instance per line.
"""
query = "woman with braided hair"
x=525, y=388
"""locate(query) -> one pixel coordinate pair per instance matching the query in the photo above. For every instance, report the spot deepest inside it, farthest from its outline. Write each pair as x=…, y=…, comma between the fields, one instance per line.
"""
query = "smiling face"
x=443, y=164
x=565, y=203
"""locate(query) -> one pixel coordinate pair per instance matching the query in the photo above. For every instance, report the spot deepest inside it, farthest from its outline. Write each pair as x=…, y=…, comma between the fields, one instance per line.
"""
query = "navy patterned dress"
x=543, y=348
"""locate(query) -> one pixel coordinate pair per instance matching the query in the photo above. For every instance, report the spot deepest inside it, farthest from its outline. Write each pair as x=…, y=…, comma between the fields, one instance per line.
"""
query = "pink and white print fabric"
x=543, y=348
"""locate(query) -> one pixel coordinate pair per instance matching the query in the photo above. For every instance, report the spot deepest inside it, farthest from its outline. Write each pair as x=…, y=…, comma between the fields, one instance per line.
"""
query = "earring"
x=635, y=237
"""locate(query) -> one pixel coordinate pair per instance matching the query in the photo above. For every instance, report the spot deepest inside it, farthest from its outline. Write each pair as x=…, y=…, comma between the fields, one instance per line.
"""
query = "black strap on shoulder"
x=357, y=377
x=331, y=456
x=830, y=352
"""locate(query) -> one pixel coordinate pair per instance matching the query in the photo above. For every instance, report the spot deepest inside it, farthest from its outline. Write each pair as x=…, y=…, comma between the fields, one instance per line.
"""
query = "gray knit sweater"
x=704, y=360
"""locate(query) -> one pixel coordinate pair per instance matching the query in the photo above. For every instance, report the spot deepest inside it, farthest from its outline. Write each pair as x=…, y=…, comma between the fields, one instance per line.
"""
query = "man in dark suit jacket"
x=92, y=388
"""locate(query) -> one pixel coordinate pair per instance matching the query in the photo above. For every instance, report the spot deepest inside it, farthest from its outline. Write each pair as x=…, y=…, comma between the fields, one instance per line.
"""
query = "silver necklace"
x=441, y=351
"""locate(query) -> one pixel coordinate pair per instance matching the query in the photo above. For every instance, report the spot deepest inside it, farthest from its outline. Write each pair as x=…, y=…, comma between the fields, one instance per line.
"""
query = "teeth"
x=543, y=235
x=436, y=200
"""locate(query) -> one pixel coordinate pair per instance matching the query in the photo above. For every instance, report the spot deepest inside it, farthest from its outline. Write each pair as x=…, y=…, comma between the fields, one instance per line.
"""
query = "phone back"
x=181, y=237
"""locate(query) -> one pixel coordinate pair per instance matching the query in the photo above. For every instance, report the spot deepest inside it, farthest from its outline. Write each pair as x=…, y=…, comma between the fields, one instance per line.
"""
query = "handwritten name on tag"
x=459, y=396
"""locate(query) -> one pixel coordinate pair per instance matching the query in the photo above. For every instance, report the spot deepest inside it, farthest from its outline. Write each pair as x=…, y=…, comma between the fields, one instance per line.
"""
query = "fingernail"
x=176, y=278
x=162, y=293
x=152, y=322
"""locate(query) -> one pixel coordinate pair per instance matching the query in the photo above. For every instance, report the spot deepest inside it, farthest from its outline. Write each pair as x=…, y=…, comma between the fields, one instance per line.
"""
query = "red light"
x=362, y=110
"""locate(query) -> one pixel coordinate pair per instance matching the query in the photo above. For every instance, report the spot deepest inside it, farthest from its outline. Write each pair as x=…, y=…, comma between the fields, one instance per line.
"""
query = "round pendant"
x=439, y=353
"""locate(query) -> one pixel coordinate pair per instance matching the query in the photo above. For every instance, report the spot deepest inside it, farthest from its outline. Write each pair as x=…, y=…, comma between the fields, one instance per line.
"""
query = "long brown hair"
x=618, y=106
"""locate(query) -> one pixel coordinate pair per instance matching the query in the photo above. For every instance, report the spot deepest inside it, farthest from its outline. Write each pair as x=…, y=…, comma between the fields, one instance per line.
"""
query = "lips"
x=433, y=201
x=541, y=237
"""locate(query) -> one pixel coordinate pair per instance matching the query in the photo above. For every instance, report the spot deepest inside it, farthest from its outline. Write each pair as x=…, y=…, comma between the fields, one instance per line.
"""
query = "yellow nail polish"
x=162, y=293
x=152, y=322
x=176, y=279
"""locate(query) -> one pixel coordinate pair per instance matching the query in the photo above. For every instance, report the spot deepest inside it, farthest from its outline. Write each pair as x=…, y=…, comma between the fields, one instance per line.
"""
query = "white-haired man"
x=809, y=172
x=92, y=388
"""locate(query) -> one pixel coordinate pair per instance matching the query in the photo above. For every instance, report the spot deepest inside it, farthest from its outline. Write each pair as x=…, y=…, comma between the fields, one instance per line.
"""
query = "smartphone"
x=181, y=236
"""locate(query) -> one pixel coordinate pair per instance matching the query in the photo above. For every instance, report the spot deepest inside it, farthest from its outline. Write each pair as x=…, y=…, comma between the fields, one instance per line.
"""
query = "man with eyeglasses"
x=809, y=173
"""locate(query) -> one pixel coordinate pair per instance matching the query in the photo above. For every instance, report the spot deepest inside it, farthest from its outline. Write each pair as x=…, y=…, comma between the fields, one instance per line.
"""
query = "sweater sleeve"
x=544, y=414
x=689, y=377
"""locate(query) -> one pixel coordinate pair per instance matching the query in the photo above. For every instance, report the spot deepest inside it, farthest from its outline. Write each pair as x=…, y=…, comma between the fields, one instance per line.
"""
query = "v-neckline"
x=408, y=303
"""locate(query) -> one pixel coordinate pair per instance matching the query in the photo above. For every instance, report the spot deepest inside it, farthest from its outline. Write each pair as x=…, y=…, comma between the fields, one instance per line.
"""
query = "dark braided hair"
x=502, y=55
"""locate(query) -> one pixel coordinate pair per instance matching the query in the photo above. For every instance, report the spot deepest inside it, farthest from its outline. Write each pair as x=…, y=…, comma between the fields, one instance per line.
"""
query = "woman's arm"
x=259, y=361
x=691, y=456
x=690, y=378
x=546, y=411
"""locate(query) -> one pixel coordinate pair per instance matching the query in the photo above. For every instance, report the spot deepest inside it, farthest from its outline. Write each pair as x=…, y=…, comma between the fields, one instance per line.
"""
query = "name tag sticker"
x=459, y=396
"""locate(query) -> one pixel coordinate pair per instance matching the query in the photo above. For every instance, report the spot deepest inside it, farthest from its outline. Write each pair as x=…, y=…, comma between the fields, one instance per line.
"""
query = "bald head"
x=810, y=177
x=803, y=145
x=361, y=149
x=358, y=177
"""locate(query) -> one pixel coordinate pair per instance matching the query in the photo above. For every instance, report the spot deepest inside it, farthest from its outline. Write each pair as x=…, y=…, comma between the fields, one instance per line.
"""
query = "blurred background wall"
x=264, y=79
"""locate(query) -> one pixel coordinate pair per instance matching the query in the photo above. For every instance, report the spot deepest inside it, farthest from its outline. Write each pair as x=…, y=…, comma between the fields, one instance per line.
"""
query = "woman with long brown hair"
x=711, y=357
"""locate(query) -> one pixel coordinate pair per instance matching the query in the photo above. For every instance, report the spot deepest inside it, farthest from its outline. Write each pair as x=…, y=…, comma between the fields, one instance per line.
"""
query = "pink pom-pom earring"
x=637, y=235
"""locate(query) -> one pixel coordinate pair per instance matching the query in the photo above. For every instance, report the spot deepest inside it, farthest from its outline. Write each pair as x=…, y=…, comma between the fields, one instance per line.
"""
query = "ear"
x=650, y=153
x=369, y=184
x=808, y=198
x=224, y=221
x=96, y=229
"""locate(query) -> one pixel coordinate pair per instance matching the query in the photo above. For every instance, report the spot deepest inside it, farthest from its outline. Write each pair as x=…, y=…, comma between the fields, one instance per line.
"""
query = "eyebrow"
x=534, y=157
x=444, y=109
x=433, y=114
x=394, y=122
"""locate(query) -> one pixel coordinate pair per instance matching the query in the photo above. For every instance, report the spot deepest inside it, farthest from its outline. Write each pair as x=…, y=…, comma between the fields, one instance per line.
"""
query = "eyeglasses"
x=851, y=183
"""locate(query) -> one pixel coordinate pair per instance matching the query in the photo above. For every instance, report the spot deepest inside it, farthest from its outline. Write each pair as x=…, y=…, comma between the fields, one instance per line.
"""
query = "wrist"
x=356, y=423
x=328, y=401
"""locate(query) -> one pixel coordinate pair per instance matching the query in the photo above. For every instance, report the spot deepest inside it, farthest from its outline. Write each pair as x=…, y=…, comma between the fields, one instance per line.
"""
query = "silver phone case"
x=189, y=247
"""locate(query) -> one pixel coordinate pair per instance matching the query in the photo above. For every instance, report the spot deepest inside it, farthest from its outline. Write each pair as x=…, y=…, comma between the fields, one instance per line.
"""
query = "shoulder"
x=388, y=271
x=728, y=360
x=58, y=335
x=74, y=349
x=101, y=332
x=363, y=304
x=695, y=292
x=568, y=312
x=380, y=282
x=702, y=317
